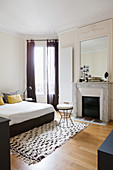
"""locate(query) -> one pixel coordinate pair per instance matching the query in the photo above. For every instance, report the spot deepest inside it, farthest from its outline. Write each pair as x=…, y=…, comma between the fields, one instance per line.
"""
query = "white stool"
x=65, y=111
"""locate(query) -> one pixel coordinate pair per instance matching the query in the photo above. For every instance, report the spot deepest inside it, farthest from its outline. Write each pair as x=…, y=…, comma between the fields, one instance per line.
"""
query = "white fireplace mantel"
x=94, y=89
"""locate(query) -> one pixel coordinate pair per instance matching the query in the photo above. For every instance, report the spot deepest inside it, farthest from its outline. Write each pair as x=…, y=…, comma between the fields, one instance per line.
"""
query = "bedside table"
x=29, y=100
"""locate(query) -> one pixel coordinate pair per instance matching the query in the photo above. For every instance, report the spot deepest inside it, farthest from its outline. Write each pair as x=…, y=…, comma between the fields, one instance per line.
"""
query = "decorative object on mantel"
x=96, y=79
x=84, y=73
x=34, y=145
x=106, y=76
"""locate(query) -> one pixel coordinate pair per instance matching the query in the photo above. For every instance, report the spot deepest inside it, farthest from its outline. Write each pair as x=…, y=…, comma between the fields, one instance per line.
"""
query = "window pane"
x=39, y=70
x=51, y=70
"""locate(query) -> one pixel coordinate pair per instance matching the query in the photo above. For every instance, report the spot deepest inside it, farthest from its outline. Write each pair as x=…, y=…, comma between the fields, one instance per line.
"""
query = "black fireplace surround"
x=91, y=107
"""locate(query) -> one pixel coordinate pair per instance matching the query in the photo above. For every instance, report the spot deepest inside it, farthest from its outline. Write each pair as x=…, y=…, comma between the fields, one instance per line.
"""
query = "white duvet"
x=19, y=112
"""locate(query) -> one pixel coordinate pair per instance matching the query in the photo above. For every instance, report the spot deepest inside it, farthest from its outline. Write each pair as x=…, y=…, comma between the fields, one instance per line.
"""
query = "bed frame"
x=29, y=124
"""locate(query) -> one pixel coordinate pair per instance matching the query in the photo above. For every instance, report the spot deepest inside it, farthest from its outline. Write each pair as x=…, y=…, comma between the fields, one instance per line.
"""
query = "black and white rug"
x=36, y=144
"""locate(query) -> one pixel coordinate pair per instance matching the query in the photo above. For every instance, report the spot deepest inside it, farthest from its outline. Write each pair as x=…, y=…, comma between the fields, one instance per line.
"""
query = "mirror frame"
x=93, y=31
x=106, y=70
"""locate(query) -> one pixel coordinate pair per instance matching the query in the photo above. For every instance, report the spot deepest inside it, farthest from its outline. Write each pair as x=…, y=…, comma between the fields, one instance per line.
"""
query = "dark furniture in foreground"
x=4, y=144
x=105, y=154
x=30, y=124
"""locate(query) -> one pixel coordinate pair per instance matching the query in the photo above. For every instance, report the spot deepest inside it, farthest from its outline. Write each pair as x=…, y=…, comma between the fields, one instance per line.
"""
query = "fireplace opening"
x=91, y=107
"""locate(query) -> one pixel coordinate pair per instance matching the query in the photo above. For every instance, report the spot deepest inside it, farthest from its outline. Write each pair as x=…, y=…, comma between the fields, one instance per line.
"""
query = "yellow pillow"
x=14, y=99
x=1, y=101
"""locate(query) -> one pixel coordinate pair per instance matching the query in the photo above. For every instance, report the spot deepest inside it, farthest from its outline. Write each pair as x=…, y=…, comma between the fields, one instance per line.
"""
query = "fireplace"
x=91, y=106
x=101, y=90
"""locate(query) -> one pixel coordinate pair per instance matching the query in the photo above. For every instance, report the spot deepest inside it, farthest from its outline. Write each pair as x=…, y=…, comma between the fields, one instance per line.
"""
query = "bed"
x=26, y=115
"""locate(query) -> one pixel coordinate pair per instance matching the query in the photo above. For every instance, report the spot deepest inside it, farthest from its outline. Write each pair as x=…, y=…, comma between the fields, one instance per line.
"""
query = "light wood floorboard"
x=79, y=153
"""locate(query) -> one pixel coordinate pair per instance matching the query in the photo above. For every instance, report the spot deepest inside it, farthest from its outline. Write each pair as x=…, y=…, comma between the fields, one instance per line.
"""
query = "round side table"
x=65, y=111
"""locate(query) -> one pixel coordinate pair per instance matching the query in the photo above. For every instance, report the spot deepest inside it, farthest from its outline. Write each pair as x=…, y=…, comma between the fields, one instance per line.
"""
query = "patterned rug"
x=34, y=145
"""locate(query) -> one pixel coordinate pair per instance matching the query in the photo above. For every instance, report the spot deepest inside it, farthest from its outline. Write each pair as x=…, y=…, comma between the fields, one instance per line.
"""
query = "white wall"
x=12, y=63
x=69, y=38
x=65, y=76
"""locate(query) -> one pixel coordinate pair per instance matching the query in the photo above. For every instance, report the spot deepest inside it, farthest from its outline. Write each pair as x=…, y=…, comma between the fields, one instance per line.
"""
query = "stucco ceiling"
x=50, y=17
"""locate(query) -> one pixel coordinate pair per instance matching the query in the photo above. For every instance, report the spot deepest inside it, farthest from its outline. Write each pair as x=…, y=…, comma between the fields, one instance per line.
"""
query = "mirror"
x=94, y=53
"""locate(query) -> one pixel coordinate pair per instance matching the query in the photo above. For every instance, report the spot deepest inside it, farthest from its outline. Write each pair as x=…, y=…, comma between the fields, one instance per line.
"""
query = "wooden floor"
x=79, y=153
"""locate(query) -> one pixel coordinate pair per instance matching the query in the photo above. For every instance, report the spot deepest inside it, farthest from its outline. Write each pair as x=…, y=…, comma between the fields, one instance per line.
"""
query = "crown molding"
x=67, y=27
x=41, y=36
x=13, y=33
x=28, y=35
x=64, y=28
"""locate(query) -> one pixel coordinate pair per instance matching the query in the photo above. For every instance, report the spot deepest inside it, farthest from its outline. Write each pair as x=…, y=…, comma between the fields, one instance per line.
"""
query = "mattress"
x=19, y=112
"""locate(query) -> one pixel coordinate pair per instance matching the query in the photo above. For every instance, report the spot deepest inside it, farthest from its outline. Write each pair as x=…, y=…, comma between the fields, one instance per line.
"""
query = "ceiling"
x=44, y=18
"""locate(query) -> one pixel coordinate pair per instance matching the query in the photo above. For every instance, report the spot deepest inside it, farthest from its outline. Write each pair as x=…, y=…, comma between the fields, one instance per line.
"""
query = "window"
x=44, y=65
x=39, y=70
x=51, y=70
x=46, y=71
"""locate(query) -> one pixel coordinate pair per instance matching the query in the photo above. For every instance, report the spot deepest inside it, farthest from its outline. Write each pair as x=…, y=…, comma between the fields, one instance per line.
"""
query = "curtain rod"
x=42, y=40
